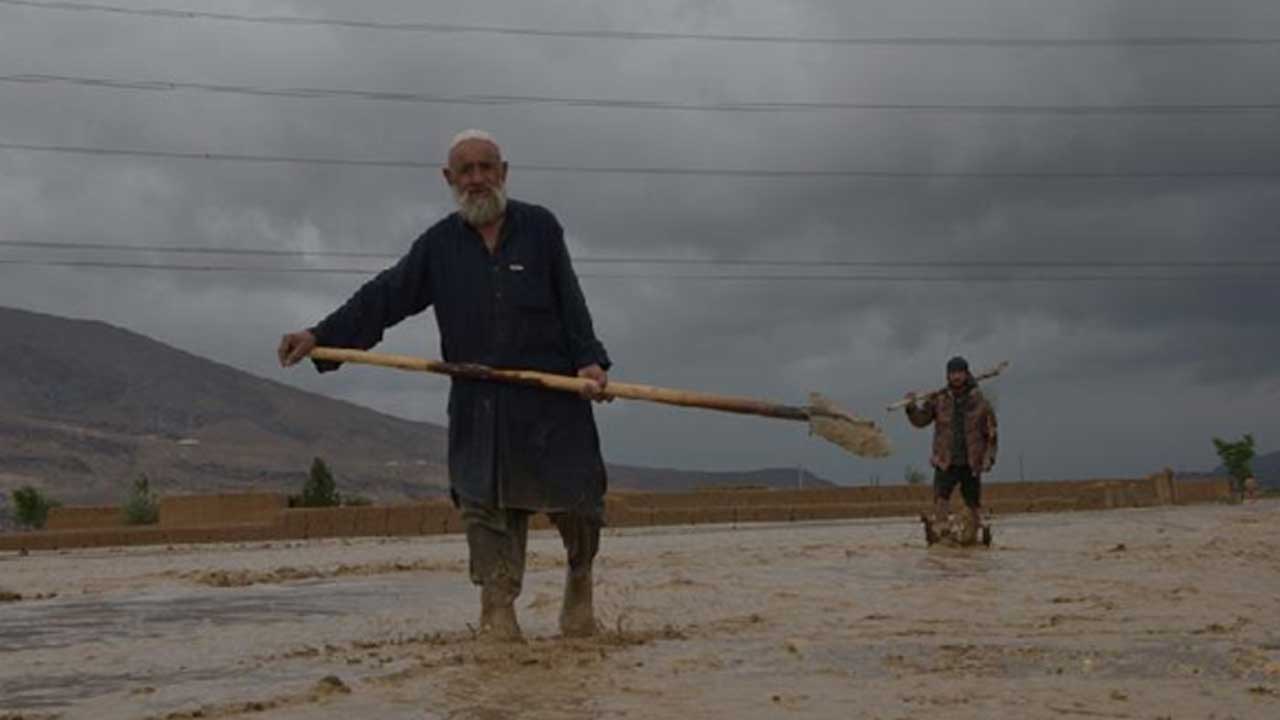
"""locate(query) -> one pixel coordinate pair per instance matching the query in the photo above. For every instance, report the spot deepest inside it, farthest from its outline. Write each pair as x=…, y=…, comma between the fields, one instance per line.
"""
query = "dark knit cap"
x=957, y=364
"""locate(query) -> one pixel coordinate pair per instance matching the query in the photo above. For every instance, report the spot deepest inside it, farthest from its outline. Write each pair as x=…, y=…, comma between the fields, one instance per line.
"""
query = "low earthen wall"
x=262, y=516
x=222, y=509
x=1206, y=490
x=84, y=518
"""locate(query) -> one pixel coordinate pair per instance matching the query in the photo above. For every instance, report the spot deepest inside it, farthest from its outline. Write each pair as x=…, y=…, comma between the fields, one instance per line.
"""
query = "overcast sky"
x=1111, y=377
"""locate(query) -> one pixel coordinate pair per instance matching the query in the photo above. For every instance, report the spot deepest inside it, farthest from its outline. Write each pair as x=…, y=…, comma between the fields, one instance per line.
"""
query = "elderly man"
x=498, y=275
x=964, y=444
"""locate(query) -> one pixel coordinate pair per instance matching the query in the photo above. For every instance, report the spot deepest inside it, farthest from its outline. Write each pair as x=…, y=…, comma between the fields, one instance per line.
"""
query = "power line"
x=636, y=35
x=676, y=261
x=1008, y=278
x=111, y=265
x=1016, y=175
x=194, y=250
x=769, y=106
x=222, y=157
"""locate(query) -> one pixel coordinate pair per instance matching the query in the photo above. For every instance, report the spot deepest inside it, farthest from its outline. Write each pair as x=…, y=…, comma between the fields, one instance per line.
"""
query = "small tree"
x=1235, y=457
x=913, y=475
x=31, y=507
x=142, y=507
x=320, y=489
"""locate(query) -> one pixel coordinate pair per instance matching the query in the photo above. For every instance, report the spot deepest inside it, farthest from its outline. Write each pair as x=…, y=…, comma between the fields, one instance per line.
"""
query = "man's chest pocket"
x=529, y=287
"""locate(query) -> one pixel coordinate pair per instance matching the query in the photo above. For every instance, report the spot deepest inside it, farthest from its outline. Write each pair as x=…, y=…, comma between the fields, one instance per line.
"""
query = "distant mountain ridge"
x=85, y=407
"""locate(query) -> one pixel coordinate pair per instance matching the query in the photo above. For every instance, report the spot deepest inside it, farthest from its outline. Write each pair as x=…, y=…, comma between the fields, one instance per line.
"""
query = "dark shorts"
x=945, y=481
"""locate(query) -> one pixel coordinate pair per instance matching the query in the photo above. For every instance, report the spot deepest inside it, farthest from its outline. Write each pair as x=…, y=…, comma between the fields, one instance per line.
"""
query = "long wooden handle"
x=987, y=375
x=564, y=383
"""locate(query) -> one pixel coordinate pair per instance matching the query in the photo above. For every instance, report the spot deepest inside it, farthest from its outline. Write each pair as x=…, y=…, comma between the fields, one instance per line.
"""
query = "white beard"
x=482, y=210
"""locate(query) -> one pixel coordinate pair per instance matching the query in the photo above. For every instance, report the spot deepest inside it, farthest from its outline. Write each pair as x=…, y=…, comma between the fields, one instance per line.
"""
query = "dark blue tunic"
x=510, y=446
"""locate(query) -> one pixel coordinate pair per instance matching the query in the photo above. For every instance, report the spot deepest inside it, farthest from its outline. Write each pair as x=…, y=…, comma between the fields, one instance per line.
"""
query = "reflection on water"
x=66, y=622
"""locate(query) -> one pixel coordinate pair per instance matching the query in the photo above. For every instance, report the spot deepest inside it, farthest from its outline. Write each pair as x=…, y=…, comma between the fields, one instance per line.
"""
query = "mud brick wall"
x=84, y=518
x=428, y=518
x=322, y=522
x=224, y=509
x=1163, y=485
x=1206, y=490
x=262, y=517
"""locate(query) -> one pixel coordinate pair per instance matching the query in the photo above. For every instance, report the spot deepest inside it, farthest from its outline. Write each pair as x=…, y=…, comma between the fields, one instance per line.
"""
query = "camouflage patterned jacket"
x=979, y=427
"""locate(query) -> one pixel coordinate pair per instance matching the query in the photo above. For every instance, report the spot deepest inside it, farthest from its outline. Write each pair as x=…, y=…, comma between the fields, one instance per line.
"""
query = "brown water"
x=1124, y=614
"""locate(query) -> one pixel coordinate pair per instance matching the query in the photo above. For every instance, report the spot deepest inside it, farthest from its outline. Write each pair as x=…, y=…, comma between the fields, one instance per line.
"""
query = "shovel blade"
x=857, y=435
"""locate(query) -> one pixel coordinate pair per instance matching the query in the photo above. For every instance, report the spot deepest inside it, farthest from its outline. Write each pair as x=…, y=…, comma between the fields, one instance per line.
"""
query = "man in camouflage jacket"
x=964, y=439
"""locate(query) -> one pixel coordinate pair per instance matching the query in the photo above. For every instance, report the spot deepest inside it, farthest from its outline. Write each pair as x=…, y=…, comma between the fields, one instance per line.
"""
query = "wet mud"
x=1161, y=612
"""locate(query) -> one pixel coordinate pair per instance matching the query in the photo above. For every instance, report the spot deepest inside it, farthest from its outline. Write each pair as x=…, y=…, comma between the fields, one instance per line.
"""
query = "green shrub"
x=31, y=507
x=320, y=489
x=913, y=475
x=1236, y=457
x=142, y=507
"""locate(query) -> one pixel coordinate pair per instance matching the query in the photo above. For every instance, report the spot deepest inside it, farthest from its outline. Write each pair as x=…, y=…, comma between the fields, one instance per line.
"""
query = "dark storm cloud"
x=1076, y=346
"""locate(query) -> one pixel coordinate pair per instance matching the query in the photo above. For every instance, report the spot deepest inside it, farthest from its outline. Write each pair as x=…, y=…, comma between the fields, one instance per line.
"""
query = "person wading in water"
x=964, y=446
x=498, y=275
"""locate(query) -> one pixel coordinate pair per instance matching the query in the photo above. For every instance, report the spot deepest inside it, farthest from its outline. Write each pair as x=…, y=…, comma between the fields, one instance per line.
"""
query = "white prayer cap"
x=471, y=134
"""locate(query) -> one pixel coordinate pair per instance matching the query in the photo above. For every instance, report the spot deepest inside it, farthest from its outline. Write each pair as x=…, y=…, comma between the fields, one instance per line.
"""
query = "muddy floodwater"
x=1154, y=613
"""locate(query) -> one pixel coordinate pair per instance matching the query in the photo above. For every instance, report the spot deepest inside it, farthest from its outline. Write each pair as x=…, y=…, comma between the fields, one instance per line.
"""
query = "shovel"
x=928, y=395
x=857, y=435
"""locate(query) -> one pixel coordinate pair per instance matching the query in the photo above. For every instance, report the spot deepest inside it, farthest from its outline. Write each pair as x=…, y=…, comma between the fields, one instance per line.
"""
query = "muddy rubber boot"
x=577, y=614
x=941, y=514
x=930, y=537
x=970, y=525
x=498, y=614
x=942, y=524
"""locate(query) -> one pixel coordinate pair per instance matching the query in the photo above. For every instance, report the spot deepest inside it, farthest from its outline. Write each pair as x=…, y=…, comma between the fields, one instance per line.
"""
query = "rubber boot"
x=942, y=518
x=577, y=613
x=969, y=526
x=930, y=537
x=498, y=613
